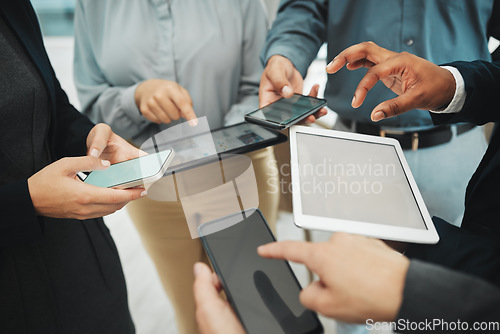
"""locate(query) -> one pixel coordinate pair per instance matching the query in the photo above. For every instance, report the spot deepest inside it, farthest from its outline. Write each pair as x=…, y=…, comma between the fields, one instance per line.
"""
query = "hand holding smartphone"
x=284, y=113
x=264, y=293
x=132, y=173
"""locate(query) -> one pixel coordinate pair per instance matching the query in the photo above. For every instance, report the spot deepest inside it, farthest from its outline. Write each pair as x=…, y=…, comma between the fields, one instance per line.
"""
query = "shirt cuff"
x=458, y=100
x=128, y=105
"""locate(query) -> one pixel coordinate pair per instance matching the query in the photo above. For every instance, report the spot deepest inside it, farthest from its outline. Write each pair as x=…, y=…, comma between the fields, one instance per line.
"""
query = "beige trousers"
x=165, y=235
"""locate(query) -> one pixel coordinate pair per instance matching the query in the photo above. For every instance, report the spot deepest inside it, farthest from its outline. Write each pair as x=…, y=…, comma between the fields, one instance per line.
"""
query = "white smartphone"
x=132, y=173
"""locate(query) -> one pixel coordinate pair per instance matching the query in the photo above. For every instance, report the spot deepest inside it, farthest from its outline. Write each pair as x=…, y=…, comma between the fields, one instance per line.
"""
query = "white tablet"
x=358, y=184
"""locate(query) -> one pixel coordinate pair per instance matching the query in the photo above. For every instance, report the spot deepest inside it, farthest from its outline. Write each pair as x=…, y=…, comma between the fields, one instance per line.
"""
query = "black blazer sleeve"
x=432, y=292
x=67, y=132
x=482, y=86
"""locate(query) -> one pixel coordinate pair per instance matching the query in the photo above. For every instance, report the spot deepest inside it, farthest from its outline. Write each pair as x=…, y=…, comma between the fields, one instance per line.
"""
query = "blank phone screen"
x=264, y=292
x=285, y=111
x=129, y=171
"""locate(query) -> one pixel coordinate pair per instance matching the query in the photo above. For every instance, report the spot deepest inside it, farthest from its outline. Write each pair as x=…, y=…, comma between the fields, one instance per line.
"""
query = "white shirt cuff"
x=458, y=100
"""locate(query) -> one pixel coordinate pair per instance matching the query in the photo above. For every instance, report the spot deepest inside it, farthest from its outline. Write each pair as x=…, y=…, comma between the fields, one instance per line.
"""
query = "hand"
x=164, y=101
x=359, y=278
x=103, y=143
x=419, y=83
x=281, y=79
x=213, y=314
x=57, y=192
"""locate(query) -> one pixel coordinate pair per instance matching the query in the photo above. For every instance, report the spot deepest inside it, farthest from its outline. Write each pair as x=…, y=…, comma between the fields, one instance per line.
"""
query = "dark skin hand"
x=419, y=83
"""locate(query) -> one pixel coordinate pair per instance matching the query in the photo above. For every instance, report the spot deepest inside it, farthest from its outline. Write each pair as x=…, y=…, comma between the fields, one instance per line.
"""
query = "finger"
x=322, y=112
x=309, y=119
x=394, y=107
x=73, y=165
x=98, y=139
x=205, y=292
x=374, y=75
x=360, y=63
x=89, y=211
x=148, y=114
x=314, y=90
x=216, y=281
x=313, y=296
x=267, y=94
x=277, y=76
x=185, y=106
x=162, y=108
x=100, y=195
x=359, y=52
x=296, y=251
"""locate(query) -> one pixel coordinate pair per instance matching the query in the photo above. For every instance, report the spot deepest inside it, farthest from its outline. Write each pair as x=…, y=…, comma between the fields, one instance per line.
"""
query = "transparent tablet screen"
x=355, y=180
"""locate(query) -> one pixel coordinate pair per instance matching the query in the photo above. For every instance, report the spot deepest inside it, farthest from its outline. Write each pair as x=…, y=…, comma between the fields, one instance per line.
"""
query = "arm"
x=254, y=30
x=362, y=278
x=421, y=84
x=297, y=33
x=291, y=45
x=472, y=253
x=102, y=103
x=435, y=292
x=482, y=84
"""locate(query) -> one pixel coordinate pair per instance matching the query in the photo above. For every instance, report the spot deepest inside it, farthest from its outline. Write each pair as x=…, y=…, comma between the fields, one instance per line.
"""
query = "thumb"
x=393, y=107
x=205, y=292
x=83, y=164
x=277, y=76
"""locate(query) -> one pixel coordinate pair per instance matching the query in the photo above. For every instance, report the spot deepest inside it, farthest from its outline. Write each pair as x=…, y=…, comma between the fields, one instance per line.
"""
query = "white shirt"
x=458, y=100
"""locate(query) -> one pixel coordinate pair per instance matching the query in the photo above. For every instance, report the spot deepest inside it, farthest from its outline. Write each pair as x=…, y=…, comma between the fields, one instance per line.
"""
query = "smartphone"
x=284, y=113
x=132, y=173
x=264, y=293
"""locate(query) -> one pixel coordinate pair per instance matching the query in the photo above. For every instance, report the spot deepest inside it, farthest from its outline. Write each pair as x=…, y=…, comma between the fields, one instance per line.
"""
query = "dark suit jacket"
x=435, y=292
x=475, y=248
x=56, y=275
x=68, y=129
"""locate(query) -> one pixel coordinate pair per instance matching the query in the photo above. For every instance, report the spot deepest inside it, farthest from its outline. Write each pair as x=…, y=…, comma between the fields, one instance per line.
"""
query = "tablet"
x=358, y=184
x=192, y=151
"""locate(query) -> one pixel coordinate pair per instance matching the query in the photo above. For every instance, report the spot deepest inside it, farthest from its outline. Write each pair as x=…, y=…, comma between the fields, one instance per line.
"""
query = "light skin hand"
x=214, y=315
x=103, y=143
x=419, y=83
x=359, y=278
x=57, y=192
x=164, y=101
x=281, y=79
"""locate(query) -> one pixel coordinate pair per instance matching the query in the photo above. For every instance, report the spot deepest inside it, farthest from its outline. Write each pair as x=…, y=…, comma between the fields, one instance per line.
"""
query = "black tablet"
x=240, y=138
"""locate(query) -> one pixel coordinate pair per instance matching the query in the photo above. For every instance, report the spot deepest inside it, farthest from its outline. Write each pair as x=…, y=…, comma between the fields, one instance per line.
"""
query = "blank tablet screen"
x=355, y=180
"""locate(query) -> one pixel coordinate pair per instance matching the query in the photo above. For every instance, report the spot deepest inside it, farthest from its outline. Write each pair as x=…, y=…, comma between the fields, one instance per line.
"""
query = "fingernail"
x=331, y=61
x=379, y=115
x=353, y=100
x=94, y=152
x=144, y=193
x=105, y=163
x=287, y=91
x=193, y=122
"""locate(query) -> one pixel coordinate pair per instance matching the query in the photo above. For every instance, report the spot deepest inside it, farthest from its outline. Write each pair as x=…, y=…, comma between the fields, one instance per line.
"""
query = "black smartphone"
x=264, y=293
x=284, y=113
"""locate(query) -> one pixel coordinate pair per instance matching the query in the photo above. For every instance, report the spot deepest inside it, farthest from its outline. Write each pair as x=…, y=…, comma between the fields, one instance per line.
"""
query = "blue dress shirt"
x=438, y=30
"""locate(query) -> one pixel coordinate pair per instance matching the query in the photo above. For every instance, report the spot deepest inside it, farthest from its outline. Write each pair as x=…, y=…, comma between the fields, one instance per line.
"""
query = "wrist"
x=449, y=91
